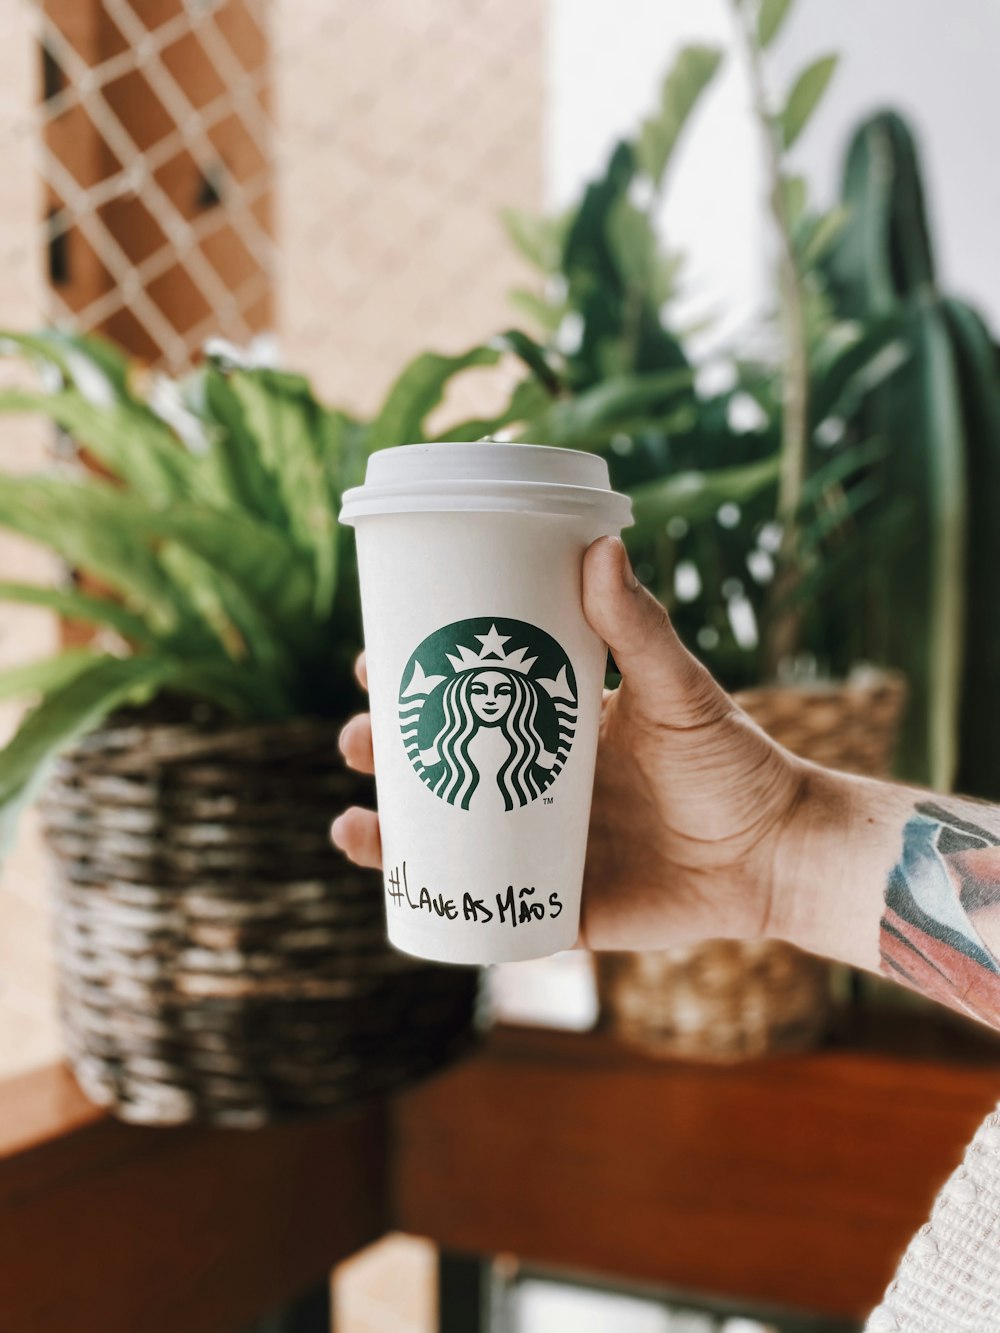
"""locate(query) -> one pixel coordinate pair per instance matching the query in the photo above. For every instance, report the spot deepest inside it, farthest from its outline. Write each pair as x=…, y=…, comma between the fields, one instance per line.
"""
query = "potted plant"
x=817, y=508
x=931, y=531
x=217, y=959
x=738, y=508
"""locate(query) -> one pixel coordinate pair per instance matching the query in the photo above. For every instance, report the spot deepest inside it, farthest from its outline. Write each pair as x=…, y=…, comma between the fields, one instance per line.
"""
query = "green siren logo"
x=487, y=712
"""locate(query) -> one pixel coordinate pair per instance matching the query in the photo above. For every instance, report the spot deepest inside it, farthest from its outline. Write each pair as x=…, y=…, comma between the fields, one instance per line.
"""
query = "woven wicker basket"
x=726, y=999
x=218, y=960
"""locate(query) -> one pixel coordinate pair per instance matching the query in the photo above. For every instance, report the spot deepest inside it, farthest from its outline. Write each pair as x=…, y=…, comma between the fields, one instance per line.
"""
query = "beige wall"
x=28, y=1032
x=404, y=126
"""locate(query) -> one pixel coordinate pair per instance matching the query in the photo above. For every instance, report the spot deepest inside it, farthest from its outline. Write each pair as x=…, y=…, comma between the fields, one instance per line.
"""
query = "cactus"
x=938, y=541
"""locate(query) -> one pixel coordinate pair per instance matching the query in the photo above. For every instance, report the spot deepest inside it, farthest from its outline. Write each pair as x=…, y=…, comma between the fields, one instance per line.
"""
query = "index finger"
x=361, y=669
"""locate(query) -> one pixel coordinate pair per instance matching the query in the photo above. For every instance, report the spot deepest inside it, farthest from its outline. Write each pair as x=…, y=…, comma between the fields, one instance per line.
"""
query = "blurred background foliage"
x=819, y=498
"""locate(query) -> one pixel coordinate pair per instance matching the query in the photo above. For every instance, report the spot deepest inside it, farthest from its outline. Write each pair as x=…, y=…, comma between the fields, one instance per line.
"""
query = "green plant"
x=206, y=530
x=862, y=492
x=929, y=587
x=738, y=510
x=608, y=274
x=781, y=127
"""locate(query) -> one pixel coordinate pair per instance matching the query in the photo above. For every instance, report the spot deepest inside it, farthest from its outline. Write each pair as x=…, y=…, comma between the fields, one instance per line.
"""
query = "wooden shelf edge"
x=795, y=1181
x=163, y=1229
x=42, y=1106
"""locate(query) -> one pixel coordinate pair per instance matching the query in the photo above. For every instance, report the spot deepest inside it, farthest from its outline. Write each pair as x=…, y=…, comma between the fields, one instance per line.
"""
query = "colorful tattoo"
x=941, y=928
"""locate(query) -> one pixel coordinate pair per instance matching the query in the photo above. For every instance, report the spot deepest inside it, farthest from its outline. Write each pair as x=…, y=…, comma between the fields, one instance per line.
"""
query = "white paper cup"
x=485, y=683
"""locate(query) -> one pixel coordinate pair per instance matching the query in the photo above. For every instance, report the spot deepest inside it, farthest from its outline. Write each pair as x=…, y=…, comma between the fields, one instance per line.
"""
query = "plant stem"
x=635, y=293
x=782, y=626
x=632, y=324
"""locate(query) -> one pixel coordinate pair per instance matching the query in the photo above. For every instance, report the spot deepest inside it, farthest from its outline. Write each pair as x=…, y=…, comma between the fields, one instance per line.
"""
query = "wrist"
x=833, y=862
x=809, y=864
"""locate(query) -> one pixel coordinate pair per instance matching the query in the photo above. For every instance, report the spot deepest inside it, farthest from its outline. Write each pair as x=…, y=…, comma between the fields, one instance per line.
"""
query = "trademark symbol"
x=548, y=799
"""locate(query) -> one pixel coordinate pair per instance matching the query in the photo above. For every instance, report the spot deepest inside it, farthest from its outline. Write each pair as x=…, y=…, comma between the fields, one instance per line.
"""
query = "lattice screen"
x=329, y=168
x=155, y=152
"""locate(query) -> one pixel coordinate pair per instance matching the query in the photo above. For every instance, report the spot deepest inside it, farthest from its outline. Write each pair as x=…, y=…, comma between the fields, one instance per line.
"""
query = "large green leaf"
x=539, y=238
x=532, y=354
x=96, y=367
x=243, y=693
x=88, y=524
x=883, y=251
x=246, y=632
x=76, y=605
x=622, y=330
x=795, y=197
x=529, y=400
x=817, y=234
x=859, y=267
x=49, y=673
x=840, y=575
x=129, y=440
x=919, y=414
x=105, y=530
x=697, y=496
x=293, y=435
x=841, y=508
x=844, y=465
x=946, y=613
x=417, y=391
x=78, y=703
x=548, y=315
x=66, y=713
x=805, y=96
x=591, y=417
x=348, y=451
x=234, y=453
x=979, y=384
x=647, y=271
x=770, y=18
x=259, y=560
x=689, y=76
x=852, y=361
x=909, y=237
x=100, y=409
x=881, y=267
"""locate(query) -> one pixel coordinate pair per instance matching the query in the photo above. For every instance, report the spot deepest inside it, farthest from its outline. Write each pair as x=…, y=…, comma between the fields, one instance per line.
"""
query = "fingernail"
x=628, y=574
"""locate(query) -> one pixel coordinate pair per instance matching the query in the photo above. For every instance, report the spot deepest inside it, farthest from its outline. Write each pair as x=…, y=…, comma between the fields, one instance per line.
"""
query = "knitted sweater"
x=949, y=1278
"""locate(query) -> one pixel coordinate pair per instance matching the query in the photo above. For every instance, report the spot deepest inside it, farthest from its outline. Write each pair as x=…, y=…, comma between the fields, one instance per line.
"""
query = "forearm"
x=896, y=881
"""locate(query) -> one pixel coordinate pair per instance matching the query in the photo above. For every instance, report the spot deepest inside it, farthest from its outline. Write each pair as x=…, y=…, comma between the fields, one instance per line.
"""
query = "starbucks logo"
x=487, y=712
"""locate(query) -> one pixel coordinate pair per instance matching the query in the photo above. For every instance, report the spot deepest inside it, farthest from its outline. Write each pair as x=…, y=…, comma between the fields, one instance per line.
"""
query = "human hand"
x=691, y=799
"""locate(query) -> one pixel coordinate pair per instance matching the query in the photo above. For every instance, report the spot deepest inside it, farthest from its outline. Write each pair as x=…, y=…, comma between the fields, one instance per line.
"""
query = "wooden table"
x=111, y=1228
x=793, y=1181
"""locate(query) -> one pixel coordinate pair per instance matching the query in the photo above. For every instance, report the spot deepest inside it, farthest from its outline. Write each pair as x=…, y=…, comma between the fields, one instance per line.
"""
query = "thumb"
x=657, y=669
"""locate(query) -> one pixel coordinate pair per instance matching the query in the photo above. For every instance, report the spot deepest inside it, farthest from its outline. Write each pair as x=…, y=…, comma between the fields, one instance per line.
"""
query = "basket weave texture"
x=726, y=999
x=218, y=960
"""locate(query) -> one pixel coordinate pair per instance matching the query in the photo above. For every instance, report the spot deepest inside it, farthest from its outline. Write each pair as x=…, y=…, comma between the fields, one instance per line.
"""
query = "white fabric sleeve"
x=949, y=1277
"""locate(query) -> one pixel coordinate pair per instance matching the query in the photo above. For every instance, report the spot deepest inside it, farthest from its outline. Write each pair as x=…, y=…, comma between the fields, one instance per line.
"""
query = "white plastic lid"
x=486, y=477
